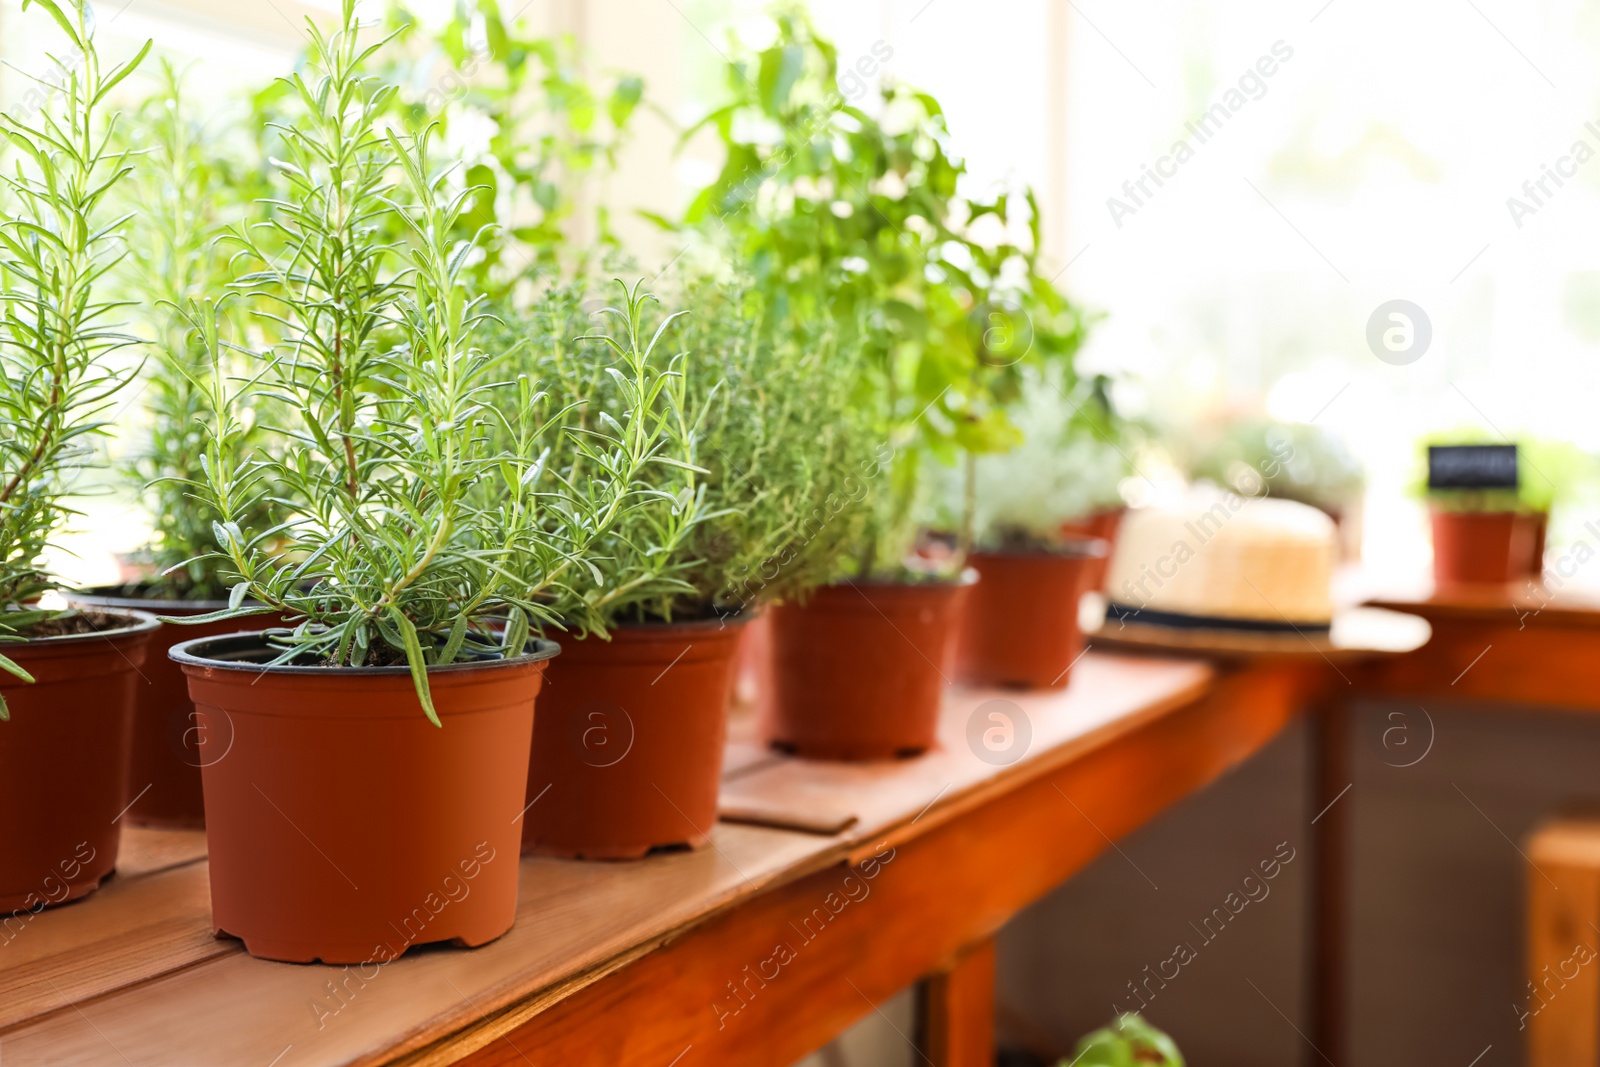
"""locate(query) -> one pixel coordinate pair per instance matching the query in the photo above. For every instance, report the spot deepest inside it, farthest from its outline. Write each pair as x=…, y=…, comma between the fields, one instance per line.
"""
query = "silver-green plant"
x=1065, y=468
x=418, y=529
x=57, y=338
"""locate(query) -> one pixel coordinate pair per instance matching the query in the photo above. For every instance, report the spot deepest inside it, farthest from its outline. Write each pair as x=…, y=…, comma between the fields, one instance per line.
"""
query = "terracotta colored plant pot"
x=1020, y=627
x=342, y=825
x=627, y=746
x=1536, y=527
x=164, y=764
x=64, y=762
x=1479, y=547
x=1100, y=526
x=858, y=669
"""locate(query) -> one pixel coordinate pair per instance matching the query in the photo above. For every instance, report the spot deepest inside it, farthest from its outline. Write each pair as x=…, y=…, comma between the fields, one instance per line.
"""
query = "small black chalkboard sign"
x=1472, y=466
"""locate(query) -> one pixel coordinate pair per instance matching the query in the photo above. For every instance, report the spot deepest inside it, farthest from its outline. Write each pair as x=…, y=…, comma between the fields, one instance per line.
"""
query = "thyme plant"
x=57, y=337
x=418, y=527
x=186, y=191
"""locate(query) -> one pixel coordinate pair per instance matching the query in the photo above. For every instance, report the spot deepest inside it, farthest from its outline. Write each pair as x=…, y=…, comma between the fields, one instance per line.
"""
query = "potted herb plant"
x=1292, y=460
x=851, y=219
x=755, y=439
x=1497, y=535
x=1127, y=1042
x=1020, y=627
x=1106, y=440
x=183, y=193
x=378, y=748
x=67, y=677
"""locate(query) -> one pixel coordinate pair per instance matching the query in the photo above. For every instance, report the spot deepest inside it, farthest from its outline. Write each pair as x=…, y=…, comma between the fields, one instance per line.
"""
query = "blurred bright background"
x=1374, y=163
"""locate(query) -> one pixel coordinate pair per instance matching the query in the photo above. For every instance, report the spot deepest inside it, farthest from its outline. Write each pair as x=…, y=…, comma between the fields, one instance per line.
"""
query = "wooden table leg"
x=1559, y=1008
x=1331, y=740
x=958, y=1010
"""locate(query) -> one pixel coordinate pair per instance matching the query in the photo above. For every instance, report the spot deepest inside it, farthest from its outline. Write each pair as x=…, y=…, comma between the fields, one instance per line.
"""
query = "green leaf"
x=10, y=666
x=123, y=71
x=61, y=19
x=418, y=665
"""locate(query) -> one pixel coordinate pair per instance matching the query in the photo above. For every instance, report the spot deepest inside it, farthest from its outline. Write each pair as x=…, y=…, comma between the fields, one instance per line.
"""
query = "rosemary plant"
x=762, y=464
x=57, y=372
x=186, y=191
x=417, y=529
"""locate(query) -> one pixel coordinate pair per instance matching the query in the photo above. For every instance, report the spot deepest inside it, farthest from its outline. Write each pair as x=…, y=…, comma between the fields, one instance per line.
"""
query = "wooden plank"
x=1572, y=606
x=145, y=850
x=574, y=920
x=1539, y=661
x=1108, y=695
x=910, y=908
x=958, y=1010
x=130, y=931
x=1560, y=1009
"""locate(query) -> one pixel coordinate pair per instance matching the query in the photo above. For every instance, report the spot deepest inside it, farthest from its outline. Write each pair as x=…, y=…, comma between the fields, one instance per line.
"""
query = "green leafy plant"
x=1548, y=472
x=752, y=465
x=1127, y=1042
x=57, y=337
x=1292, y=460
x=853, y=218
x=186, y=191
x=417, y=528
x=554, y=138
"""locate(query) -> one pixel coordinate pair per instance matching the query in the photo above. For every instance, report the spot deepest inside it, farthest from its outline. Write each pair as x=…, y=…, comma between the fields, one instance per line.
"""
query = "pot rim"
x=1436, y=509
x=188, y=654
x=730, y=621
x=101, y=596
x=1090, y=548
x=143, y=621
x=968, y=576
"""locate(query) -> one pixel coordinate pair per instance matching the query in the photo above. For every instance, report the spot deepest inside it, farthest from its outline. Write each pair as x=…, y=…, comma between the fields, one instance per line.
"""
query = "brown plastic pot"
x=1100, y=526
x=164, y=762
x=64, y=761
x=627, y=746
x=343, y=826
x=1020, y=626
x=858, y=669
x=1536, y=526
x=1479, y=546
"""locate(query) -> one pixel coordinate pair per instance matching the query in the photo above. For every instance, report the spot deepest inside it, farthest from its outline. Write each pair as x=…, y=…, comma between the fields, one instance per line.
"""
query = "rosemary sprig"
x=57, y=340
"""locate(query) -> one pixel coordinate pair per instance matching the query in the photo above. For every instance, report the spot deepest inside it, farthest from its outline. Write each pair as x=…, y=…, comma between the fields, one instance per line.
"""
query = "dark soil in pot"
x=1480, y=547
x=627, y=745
x=342, y=825
x=1020, y=626
x=859, y=669
x=64, y=759
x=164, y=767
